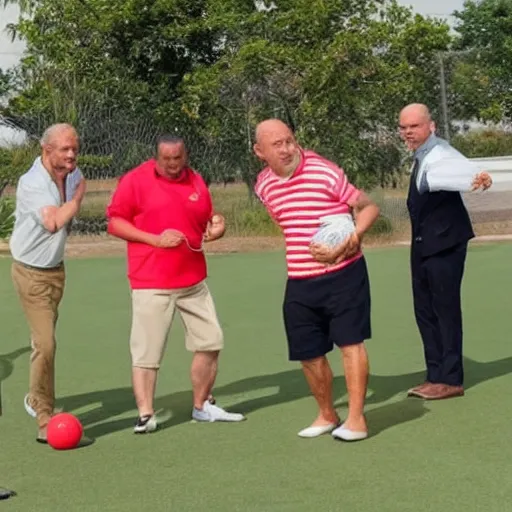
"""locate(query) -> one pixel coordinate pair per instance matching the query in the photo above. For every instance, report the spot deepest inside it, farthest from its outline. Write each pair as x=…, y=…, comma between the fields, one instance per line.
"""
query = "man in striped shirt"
x=327, y=297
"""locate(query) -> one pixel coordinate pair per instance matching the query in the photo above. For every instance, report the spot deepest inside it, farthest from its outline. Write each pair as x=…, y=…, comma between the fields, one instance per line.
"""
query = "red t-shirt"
x=153, y=204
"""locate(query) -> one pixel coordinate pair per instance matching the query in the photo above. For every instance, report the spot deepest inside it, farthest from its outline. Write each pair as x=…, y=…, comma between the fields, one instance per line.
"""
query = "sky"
x=10, y=52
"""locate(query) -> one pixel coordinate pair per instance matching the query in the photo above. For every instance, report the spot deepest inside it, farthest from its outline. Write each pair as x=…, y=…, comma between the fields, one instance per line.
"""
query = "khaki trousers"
x=152, y=316
x=40, y=293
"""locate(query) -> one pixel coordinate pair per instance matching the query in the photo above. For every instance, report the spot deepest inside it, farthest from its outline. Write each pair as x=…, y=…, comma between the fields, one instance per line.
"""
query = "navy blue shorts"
x=332, y=309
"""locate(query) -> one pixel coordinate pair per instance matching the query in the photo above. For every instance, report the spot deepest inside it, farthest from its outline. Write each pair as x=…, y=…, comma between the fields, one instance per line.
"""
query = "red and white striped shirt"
x=317, y=188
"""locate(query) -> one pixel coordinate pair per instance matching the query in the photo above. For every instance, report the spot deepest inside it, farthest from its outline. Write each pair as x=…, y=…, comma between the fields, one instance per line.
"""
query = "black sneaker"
x=5, y=494
x=145, y=424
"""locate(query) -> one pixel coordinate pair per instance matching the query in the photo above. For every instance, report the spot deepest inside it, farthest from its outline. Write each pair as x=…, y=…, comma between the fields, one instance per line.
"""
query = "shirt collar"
x=432, y=141
x=42, y=170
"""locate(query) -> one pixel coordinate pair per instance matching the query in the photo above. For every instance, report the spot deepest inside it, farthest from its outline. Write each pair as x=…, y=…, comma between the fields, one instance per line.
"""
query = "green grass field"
x=451, y=455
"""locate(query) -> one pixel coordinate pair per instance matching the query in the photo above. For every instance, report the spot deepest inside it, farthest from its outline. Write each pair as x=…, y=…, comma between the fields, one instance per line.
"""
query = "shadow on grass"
x=290, y=386
x=7, y=362
x=7, y=366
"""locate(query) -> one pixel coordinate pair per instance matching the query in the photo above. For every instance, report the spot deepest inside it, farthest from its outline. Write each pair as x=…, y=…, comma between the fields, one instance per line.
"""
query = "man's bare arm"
x=121, y=228
x=125, y=230
x=365, y=212
x=54, y=218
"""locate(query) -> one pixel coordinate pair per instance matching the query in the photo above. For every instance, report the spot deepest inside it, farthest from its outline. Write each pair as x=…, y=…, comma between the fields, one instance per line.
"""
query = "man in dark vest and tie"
x=441, y=230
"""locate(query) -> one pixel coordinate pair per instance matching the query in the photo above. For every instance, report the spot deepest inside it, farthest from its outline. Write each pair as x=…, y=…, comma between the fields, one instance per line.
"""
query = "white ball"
x=334, y=229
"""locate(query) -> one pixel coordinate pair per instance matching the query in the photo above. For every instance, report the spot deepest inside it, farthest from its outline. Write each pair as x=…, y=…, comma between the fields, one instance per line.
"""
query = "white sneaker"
x=31, y=412
x=28, y=407
x=211, y=413
x=145, y=424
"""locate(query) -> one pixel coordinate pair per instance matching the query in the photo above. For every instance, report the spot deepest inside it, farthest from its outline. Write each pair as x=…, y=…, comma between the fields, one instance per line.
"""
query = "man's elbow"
x=113, y=226
x=49, y=220
x=110, y=227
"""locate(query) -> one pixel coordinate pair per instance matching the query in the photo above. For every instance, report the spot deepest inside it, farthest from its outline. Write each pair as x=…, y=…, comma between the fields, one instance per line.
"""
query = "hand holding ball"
x=335, y=240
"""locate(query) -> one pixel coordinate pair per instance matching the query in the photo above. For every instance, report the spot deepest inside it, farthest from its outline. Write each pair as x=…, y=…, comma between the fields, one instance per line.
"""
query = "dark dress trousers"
x=441, y=230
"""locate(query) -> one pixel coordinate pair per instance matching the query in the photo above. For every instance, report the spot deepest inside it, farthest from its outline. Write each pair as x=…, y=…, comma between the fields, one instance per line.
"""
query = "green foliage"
x=7, y=206
x=382, y=226
x=339, y=76
x=14, y=162
x=338, y=72
x=482, y=84
x=252, y=219
x=484, y=143
x=5, y=82
x=94, y=166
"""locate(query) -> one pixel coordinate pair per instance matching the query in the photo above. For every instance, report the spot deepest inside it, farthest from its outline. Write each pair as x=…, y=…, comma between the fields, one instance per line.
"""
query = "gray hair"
x=52, y=131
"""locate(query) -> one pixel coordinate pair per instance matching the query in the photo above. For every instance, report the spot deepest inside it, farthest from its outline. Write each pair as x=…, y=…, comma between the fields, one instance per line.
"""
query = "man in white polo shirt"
x=48, y=196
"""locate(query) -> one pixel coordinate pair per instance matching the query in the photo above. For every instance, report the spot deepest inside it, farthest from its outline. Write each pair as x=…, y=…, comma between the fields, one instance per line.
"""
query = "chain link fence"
x=113, y=141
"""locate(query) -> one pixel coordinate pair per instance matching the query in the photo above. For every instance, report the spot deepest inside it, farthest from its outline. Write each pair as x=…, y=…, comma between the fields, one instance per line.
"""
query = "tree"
x=5, y=82
x=134, y=53
x=482, y=81
x=337, y=71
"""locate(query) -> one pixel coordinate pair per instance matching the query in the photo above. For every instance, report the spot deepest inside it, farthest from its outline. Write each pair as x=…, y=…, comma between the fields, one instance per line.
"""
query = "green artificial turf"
x=451, y=455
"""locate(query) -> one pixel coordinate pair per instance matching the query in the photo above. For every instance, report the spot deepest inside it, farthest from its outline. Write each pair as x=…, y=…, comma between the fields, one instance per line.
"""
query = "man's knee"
x=313, y=362
x=352, y=350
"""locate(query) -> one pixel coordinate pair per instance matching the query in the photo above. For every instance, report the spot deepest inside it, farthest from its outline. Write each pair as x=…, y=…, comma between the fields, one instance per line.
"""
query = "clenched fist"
x=170, y=238
x=216, y=228
x=483, y=180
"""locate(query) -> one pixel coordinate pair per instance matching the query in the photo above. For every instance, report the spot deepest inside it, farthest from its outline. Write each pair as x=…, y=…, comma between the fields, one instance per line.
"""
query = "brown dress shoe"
x=418, y=391
x=442, y=391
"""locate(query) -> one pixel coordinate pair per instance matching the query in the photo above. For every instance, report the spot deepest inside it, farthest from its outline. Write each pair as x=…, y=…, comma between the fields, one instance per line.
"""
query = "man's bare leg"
x=202, y=374
x=144, y=385
x=318, y=374
x=355, y=362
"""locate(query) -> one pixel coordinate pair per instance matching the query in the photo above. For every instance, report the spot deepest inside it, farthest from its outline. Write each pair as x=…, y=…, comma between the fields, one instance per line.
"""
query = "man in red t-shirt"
x=327, y=298
x=163, y=209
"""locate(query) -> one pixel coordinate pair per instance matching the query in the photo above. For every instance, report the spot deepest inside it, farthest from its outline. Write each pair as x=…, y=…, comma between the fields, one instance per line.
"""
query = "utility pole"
x=444, y=101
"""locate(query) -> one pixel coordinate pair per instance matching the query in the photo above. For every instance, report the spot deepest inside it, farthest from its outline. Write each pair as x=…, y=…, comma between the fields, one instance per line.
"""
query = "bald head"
x=270, y=126
x=276, y=145
x=415, y=124
x=59, y=145
x=418, y=110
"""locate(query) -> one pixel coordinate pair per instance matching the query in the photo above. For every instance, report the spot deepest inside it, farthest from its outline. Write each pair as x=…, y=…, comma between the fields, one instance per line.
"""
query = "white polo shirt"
x=31, y=243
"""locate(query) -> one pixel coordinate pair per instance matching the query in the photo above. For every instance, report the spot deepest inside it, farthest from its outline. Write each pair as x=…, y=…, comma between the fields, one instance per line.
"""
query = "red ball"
x=64, y=431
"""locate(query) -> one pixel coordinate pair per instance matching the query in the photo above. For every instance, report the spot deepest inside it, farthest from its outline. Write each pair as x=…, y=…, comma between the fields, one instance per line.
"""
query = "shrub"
x=14, y=162
x=95, y=167
x=382, y=226
x=251, y=219
x=484, y=143
x=7, y=206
